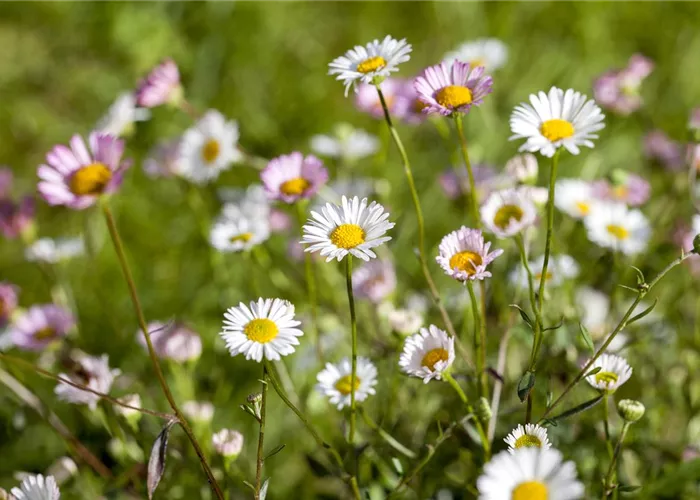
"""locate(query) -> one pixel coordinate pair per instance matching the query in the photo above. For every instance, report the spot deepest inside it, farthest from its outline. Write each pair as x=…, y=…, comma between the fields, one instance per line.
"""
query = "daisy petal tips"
x=450, y=88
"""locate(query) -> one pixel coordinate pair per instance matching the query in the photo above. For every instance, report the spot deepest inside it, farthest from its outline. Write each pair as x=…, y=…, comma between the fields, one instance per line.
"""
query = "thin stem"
x=520, y=242
x=119, y=249
x=385, y=435
x=479, y=348
x=606, y=424
x=473, y=202
x=482, y=336
x=477, y=423
x=311, y=289
x=261, y=435
x=616, y=454
x=353, y=330
x=419, y=216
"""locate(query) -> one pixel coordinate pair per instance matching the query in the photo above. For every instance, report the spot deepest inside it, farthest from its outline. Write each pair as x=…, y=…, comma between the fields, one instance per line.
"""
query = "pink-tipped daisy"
x=452, y=88
x=161, y=86
x=40, y=326
x=291, y=177
x=464, y=255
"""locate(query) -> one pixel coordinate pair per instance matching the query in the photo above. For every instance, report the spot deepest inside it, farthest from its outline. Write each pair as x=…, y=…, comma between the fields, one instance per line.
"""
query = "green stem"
x=311, y=289
x=353, y=330
x=479, y=348
x=616, y=454
x=477, y=423
x=606, y=424
x=261, y=436
x=533, y=299
x=473, y=201
x=119, y=249
x=385, y=435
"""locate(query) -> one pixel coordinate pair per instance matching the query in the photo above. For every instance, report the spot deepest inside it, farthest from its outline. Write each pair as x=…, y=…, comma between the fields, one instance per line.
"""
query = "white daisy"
x=488, y=52
x=614, y=371
x=522, y=168
x=464, y=255
x=122, y=115
x=615, y=226
x=89, y=371
x=236, y=234
x=529, y=474
x=37, y=488
x=52, y=251
x=227, y=442
x=198, y=411
x=530, y=436
x=508, y=212
x=355, y=228
x=346, y=142
x=265, y=329
x=574, y=197
x=557, y=119
x=404, y=321
x=335, y=381
x=208, y=148
x=374, y=60
x=559, y=269
x=428, y=354
x=594, y=310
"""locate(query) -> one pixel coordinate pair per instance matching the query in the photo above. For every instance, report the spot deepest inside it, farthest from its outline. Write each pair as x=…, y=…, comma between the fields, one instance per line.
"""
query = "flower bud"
x=256, y=397
x=483, y=409
x=630, y=410
x=227, y=442
x=696, y=244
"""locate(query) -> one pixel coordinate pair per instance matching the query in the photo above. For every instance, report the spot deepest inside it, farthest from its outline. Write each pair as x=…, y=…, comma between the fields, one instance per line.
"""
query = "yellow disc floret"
x=453, y=96
x=617, y=231
x=243, y=238
x=344, y=384
x=90, y=180
x=371, y=64
x=261, y=330
x=295, y=187
x=466, y=261
x=556, y=129
x=211, y=150
x=606, y=378
x=433, y=356
x=530, y=490
x=507, y=213
x=348, y=236
x=528, y=441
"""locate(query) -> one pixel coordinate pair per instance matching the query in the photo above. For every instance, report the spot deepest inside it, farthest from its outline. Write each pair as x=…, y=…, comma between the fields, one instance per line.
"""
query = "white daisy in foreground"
x=490, y=53
x=557, y=119
x=464, y=255
x=122, y=115
x=529, y=474
x=239, y=233
x=346, y=142
x=266, y=328
x=508, y=212
x=614, y=226
x=208, y=148
x=37, y=488
x=52, y=251
x=530, y=436
x=559, y=269
x=374, y=60
x=335, y=381
x=614, y=371
x=353, y=228
x=574, y=197
x=428, y=354
x=89, y=371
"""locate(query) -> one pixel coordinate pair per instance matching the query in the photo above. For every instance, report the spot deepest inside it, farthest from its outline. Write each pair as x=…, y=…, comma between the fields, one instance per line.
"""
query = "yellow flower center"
x=547, y=278
x=479, y=61
x=45, y=334
x=344, y=384
x=433, y=356
x=261, y=330
x=211, y=150
x=530, y=490
x=466, y=261
x=528, y=441
x=371, y=64
x=295, y=186
x=348, y=236
x=556, y=129
x=606, y=378
x=243, y=237
x=583, y=207
x=620, y=192
x=507, y=213
x=453, y=96
x=90, y=180
x=419, y=106
x=618, y=232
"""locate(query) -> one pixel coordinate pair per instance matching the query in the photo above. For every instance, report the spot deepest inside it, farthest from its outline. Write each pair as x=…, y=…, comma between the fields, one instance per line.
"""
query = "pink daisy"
x=452, y=88
x=367, y=98
x=464, y=255
x=618, y=90
x=374, y=280
x=291, y=177
x=173, y=341
x=162, y=85
x=630, y=189
x=41, y=325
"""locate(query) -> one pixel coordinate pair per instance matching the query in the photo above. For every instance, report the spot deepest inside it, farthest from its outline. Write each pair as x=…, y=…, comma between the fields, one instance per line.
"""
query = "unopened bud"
x=630, y=410
x=256, y=397
x=483, y=409
x=696, y=243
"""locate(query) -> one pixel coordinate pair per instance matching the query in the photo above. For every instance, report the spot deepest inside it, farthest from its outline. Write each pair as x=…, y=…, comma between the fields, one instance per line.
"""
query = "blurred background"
x=264, y=64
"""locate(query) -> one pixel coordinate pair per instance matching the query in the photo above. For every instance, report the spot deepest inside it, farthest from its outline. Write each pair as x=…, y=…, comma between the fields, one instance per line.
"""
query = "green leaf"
x=643, y=313
x=593, y=371
x=523, y=315
x=580, y=408
x=640, y=275
x=397, y=465
x=274, y=452
x=549, y=421
x=628, y=488
x=586, y=337
x=527, y=382
x=555, y=327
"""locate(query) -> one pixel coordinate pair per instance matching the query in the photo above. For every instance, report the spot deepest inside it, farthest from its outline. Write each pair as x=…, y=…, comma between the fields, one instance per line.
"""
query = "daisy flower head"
x=428, y=354
x=375, y=280
x=264, y=329
x=530, y=436
x=618, y=90
x=335, y=381
x=614, y=371
x=198, y=411
x=508, y=212
x=163, y=158
x=490, y=53
x=40, y=326
x=464, y=255
x=93, y=372
x=208, y=148
x=52, y=251
x=121, y=116
x=370, y=63
x=614, y=226
x=239, y=233
x=37, y=488
x=367, y=98
x=161, y=86
x=227, y=442
x=523, y=168
x=529, y=474
x=625, y=187
x=404, y=320
x=75, y=176
x=347, y=143
x=560, y=269
x=557, y=119
x=352, y=228
x=449, y=88
x=292, y=177
x=172, y=340
x=574, y=197
x=8, y=301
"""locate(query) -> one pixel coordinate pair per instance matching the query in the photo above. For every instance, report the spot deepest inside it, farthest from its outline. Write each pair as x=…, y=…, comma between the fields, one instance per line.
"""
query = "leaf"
x=248, y=409
x=580, y=408
x=249, y=485
x=397, y=465
x=274, y=452
x=628, y=488
x=549, y=421
x=156, y=462
x=643, y=313
x=495, y=374
x=593, y=371
x=586, y=337
x=555, y=327
x=523, y=315
x=527, y=382
x=263, y=489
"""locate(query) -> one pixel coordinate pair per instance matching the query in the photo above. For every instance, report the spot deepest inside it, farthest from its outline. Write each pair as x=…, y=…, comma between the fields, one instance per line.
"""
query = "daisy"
x=163, y=158
x=464, y=255
x=335, y=381
x=53, y=251
x=522, y=168
x=367, y=98
x=129, y=413
x=626, y=187
x=172, y=341
x=347, y=143
x=508, y=212
x=292, y=177
x=227, y=442
x=265, y=329
x=614, y=226
x=198, y=411
x=529, y=474
x=236, y=234
x=428, y=354
x=530, y=436
x=208, y=148
x=121, y=116
x=161, y=86
x=560, y=269
x=76, y=177
x=452, y=88
x=40, y=326
x=558, y=119
x=404, y=320
x=375, y=280
x=89, y=371
x=37, y=488
x=574, y=197
x=614, y=371
x=618, y=90
x=8, y=302
x=371, y=63
x=488, y=52
x=353, y=228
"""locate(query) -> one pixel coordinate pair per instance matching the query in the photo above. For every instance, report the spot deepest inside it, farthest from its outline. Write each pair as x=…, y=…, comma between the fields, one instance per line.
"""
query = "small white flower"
x=530, y=436
x=508, y=212
x=488, y=52
x=428, y=354
x=121, y=116
x=574, y=197
x=375, y=60
x=266, y=328
x=559, y=269
x=375, y=280
x=614, y=371
x=594, y=307
x=353, y=228
x=614, y=226
x=335, y=381
x=92, y=372
x=37, y=488
x=131, y=400
x=199, y=411
x=347, y=143
x=558, y=119
x=236, y=234
x=464, y=255
x=227, y=442
x=208, y=148
x=52, y=251
x=522, y=168
x=405, y=321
